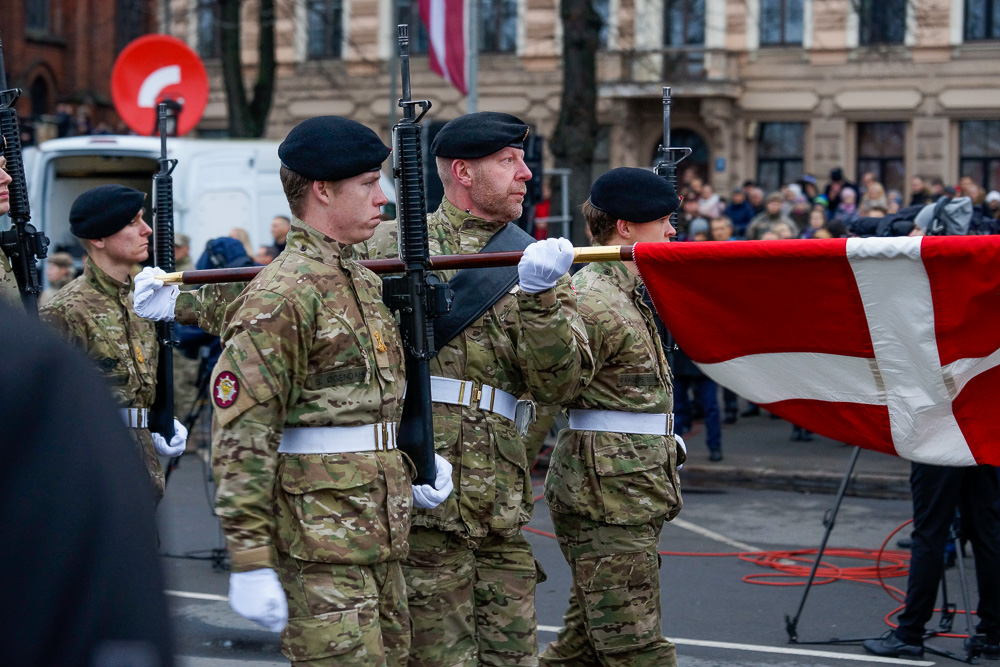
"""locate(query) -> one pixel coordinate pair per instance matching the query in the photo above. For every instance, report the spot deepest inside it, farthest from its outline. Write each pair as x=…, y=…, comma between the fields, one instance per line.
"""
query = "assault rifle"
x=418, y=295
x=669, y=156
x=162, y=412
x=22, y=243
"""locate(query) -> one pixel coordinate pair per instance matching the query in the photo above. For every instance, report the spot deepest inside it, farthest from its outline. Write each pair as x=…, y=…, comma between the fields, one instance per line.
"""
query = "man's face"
x=5, y=181
x=738, y=197
x=498, y=185
x=181, y=252
x=657, y=231
x=355, y=209
x=55, y=272
x=916, y=184
x=130, y=244
x=721, y=231
x=263, y=256
x=773, y=207
x=279, y=229
x=756, y=197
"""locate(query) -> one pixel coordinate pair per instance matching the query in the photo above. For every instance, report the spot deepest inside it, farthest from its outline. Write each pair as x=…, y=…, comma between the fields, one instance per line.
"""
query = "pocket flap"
x=314, y=472
x=317, y=637
x=623, y=453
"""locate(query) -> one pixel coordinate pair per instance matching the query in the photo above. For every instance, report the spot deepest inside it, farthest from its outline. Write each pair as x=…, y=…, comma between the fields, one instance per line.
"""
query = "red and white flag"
x=890, y=344
x=445, y=22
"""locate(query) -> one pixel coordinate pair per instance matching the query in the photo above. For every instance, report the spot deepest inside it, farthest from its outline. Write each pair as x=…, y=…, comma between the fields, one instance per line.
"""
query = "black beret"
x=331, y=148
x=635, y=195
x=105, y=210
x=476, y=135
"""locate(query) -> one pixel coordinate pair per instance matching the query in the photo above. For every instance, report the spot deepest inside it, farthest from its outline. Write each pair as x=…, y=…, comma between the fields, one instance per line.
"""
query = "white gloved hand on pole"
x=681, y=446
x=178, y=443
x=257, y=595
x=543, y=263
x=152, y=299
x=427, y=496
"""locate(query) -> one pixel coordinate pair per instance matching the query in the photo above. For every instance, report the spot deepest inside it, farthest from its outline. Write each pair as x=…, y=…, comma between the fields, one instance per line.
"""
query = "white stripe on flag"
x=436, y=33
x=961, y=371
x=803, y=375
x=896, y=294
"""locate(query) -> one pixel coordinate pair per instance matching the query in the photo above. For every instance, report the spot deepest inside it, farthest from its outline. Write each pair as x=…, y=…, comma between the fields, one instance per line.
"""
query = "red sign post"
x=154, y=68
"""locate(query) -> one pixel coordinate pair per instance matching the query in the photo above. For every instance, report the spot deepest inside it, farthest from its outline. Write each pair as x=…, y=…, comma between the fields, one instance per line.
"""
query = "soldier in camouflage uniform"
x=313, y=496
x=8, y=285
x=94, y=312
x=613, y=480
x=470, y=574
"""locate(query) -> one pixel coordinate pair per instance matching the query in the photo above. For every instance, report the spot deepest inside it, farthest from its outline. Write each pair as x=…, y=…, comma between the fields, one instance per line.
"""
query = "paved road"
x=714, y=616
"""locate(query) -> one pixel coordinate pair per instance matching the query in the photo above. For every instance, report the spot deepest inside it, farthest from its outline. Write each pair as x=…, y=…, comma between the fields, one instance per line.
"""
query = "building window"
x=130, y=22
x=780, y=22
x=882, y=150
x=408, y=12
x=498, y=26
x=684, y=23
x=603, y=9
x=38, y=15
x=779, y=154
x=979, y=148
x=325, y=33
x=982, y=19
x=881, y=21
x=209, y=21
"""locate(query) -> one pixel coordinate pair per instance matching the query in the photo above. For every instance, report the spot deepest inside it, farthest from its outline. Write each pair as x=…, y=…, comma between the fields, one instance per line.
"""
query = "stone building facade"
x=764, y=89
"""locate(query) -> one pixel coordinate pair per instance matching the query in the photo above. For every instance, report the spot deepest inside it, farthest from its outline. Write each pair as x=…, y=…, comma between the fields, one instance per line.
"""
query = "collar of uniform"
x=307, y=241
x=621, y=276
x=464, y=220
x=104, y=283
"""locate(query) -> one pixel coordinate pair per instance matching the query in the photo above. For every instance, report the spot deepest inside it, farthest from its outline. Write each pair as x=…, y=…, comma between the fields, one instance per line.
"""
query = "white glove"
x=683, y=447
x=177, y=443
x=257, y=595
x=543, y=263
x=427, y=496
x=152, y=299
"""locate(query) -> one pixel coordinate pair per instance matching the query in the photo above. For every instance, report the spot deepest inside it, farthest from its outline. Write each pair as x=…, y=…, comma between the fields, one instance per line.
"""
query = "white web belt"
x=464, y=392
x=641, y=423
x=339, y=439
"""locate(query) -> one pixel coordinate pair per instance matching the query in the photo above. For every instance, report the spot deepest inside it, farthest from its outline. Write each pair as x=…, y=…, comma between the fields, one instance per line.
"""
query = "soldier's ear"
x=461, y=170
x=322, y=191
x=624, y=230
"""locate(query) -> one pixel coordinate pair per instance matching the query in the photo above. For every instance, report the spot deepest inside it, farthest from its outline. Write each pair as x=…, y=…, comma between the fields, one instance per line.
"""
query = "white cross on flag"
x=892, y=344
x=445, y=21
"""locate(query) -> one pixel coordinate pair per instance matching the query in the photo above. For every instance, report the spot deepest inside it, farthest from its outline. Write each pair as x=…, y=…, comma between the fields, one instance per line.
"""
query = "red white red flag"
x=445, y=22
x=890, y=344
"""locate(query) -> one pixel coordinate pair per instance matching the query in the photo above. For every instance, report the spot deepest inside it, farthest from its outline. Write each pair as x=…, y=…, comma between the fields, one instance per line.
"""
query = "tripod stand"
x=829, y=519
x=217, y=555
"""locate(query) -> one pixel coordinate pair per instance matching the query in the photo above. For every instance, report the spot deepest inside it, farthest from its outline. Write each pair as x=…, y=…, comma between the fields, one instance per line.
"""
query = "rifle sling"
x=476, y=290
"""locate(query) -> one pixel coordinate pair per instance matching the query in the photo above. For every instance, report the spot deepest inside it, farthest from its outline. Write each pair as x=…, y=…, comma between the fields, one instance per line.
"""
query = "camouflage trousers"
x=472, y=600
x=143, y=439
x=614, y=615
x=344, y=615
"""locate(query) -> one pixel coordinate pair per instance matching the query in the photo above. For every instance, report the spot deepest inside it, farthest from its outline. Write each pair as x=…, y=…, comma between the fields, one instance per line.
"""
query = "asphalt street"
x=714, y=614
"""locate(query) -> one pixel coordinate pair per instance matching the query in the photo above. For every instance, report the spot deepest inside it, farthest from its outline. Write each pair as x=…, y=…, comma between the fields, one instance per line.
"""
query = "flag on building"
x=445, y=22
x=892, y=344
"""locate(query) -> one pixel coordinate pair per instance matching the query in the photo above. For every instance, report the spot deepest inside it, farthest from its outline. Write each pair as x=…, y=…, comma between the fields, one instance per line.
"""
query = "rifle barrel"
x=441, y=263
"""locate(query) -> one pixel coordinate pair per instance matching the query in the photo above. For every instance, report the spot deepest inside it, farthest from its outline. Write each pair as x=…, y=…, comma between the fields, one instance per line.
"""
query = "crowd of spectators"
x=801, y=210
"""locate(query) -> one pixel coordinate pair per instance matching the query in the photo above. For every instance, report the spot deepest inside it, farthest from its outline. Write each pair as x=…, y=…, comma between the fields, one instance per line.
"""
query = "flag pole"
x=472, y=56
x=481, y=260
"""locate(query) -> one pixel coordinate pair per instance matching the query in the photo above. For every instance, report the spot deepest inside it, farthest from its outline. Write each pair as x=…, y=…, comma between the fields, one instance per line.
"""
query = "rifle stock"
x=162, y=412
x=22, y=243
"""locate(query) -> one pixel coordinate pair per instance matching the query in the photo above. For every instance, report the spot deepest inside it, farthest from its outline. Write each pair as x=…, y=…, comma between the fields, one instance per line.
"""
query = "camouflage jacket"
x=523, y=343
x=617, y=478
x=309, y=344
x=9, y=293
x=94, y=312
x=206, y=306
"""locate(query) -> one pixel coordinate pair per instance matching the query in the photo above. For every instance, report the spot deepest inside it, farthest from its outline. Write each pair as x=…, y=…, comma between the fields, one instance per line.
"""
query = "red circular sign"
x=152, y=69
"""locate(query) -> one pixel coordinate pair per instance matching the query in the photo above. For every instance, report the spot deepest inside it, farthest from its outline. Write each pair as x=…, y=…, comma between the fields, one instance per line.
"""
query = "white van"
x=218, y=184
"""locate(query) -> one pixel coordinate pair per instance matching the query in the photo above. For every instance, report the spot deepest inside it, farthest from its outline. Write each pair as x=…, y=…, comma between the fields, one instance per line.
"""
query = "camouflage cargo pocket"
x=512, y=506
x=622, y=596
x=335, y=508
x=324, y=636
x=636, y=485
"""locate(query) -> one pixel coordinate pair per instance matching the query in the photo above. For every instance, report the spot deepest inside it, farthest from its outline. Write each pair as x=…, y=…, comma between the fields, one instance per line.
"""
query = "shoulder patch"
x=226, y=389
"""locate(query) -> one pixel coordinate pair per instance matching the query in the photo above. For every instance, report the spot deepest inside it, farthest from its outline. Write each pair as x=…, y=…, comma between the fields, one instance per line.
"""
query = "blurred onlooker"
x=920, y=194
x=895, y=201
x=847, y=210
x=809, y=188
x=817, y=219
x=785, y=230
x=836, y=229
x=836, y=187
x=937, y=189
x=64, y=119
x=740, y=211
x=874, y=195
x=182, y=253
x=992, y=207
x=279, y=230
x=59, y=271
x=721, y=228
x=867, y=179
x=877, y=211
x=709, y=203
x=265, y=255
x=972, y=190
x=699, y=230
x=799, y=213
x=767, y=219
x=789, y=192
x=755, y=196
x=687, y=215
x=243, y=237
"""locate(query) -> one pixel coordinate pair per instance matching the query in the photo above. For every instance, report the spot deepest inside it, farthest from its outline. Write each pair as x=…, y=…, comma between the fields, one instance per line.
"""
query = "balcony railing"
x=692, y=65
